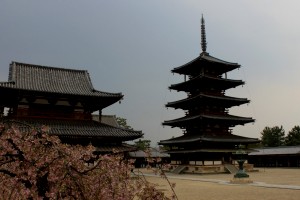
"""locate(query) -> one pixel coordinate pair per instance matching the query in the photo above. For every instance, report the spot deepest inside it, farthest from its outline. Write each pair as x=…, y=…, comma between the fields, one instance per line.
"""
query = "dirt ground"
x=268, y=183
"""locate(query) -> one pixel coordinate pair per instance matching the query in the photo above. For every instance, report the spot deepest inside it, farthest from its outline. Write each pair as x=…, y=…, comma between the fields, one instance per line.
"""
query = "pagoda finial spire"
x=203, y=36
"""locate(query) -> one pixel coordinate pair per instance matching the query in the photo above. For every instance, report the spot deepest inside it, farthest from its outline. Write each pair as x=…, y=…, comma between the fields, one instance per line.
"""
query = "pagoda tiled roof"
x=231, y=120
x=224, y=138
x=205, y=81
x=79, y=128
x=207, y=57
x=204, y=59
x=46, y=79
x=223, y=100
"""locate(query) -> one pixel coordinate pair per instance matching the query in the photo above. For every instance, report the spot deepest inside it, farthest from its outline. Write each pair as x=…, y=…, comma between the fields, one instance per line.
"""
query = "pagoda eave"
x=229, y=120
x=225, y=101
x=204, y=81
x=227, y=138
x=211, y=62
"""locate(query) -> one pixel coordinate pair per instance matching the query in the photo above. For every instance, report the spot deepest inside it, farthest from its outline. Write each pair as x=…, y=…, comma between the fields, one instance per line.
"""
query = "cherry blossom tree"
x=36, y=165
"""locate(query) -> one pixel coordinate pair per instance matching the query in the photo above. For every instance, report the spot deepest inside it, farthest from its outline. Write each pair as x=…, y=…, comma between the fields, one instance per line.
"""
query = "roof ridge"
x=49, y=67
x=87, y=75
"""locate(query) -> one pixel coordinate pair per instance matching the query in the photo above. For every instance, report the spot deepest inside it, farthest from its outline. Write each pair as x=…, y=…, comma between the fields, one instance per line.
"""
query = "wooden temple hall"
x=207, y=143
x=64, y=100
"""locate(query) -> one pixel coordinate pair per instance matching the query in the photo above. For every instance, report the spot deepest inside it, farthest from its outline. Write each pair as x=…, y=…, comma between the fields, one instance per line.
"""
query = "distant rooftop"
x=284, y=150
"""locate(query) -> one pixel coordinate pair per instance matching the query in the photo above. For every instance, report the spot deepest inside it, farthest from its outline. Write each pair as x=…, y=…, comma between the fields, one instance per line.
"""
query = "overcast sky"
x=130, y=46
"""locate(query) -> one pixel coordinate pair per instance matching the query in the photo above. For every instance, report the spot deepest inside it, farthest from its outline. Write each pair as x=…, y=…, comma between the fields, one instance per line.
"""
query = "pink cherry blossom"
x=36, y=165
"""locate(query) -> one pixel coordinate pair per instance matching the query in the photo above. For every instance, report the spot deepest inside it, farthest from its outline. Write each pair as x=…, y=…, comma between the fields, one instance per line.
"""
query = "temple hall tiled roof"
x=115, y=148
x=107, y=119
x=38, y=78
x=80, y=128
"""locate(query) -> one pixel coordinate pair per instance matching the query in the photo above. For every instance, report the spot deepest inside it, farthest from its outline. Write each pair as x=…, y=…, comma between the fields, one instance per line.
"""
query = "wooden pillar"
x=100, y=115
x=1, y=111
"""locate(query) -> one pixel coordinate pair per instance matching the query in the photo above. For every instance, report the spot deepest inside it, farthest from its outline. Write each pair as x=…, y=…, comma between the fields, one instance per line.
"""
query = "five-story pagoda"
x=207, y=142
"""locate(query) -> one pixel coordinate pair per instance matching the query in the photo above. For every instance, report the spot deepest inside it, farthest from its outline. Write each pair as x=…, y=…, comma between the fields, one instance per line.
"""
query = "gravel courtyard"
x=268, y=183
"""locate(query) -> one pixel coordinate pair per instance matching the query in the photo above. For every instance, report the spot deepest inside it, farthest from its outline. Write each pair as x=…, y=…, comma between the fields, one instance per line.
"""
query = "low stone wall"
x=196, y=169
x=205, y=169
x=248, y=167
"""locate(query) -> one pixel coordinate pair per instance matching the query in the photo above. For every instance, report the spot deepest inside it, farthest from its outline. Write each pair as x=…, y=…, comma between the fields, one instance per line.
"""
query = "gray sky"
x=131, y=46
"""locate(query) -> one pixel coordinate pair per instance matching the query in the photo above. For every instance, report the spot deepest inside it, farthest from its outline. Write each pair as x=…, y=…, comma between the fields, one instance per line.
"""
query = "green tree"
x=142, y=144
x=273, y=137
x=123, y=123
x=293, y=137
x=164, y=148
